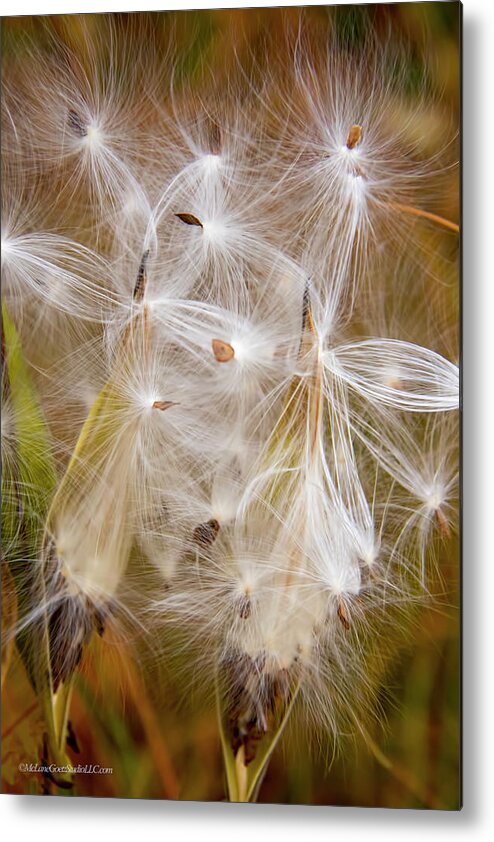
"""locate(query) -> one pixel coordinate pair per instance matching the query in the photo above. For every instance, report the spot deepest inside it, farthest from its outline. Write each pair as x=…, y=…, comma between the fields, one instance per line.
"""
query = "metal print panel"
x=230, y=440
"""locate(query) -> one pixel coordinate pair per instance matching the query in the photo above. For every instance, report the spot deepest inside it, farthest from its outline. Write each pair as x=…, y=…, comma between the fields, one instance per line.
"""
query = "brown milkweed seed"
x=215, y=137
x=343, y=616
x=443, y=524
x=223, y=351
x=189, y=219
x=354, y=137
x=163, y=405
x=140, y=284
x=76, y=124
x=206, y=533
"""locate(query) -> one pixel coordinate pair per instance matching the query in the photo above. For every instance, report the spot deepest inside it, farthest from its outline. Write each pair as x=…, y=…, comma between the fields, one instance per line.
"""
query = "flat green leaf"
x=28, y=482
x=35, y=464
x=27, y=486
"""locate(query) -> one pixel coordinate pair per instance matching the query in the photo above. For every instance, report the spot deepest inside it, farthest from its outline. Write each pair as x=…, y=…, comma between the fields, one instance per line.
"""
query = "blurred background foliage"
x=127, y=714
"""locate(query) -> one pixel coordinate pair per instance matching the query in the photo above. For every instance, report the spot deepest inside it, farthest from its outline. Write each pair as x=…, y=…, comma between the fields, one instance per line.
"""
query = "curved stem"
x=432, y=217
x=61, y=706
